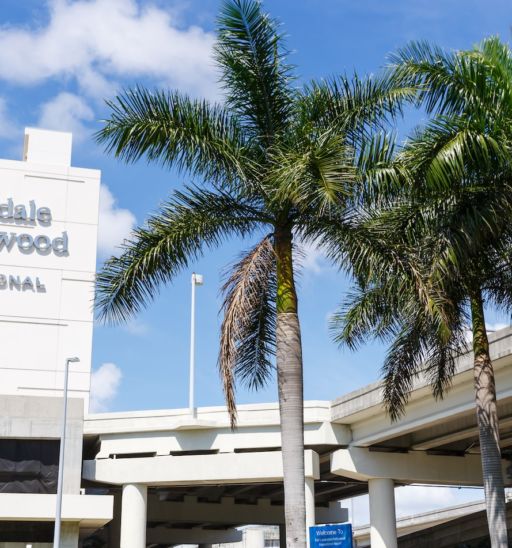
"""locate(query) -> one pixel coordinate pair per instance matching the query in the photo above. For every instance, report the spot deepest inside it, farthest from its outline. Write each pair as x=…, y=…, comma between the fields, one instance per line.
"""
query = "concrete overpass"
x=175, y=476
x=464, y=524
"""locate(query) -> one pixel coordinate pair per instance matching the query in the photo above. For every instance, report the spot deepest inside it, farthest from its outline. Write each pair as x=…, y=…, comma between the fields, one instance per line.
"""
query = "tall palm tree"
x=276, y=159
x=430, y=258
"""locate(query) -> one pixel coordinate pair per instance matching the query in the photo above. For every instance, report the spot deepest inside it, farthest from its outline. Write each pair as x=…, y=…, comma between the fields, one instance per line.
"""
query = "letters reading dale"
x=31, y=215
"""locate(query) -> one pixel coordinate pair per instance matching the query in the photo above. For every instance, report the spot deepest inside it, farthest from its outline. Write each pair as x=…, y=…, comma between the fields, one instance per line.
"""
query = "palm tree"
x=430, y=258
x=277, y=160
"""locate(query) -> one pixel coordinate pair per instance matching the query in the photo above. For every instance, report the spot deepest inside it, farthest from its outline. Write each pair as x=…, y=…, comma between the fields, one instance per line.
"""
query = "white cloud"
x=115, y=223
x=66, y=112
x=496, y=326
x=312, y=258
x=93, y=41
x=416, y=499
x=8, y=128
x=104, y=386
x=136, y=327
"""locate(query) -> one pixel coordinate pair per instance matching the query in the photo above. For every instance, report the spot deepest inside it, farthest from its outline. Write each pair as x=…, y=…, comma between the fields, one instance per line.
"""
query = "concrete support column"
x=382, y=513
x=254, y=537
x=310, y=505
x=133, y=516
x=69, y=535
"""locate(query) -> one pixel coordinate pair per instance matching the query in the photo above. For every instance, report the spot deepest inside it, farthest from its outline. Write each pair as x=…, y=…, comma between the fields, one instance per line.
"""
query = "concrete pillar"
x=310, y=505
x=133, y=516
x=254, y=537
x=69, y=534
x=382, y=513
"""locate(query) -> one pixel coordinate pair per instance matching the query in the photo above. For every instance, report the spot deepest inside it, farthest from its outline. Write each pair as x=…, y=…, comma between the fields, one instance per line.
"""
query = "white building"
x=164, y=478
x=48, y=229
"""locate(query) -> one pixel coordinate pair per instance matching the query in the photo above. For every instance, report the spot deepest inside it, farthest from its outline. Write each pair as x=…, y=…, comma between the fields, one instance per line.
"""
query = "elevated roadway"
x=171, y=472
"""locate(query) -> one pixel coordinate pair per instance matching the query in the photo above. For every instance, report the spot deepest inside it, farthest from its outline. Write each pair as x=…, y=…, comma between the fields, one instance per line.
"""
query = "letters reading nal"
x=19, y=283
x=31, y=215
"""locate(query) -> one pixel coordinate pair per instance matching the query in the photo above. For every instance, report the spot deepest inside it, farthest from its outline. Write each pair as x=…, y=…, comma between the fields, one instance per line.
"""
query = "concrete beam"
x=416, y=467
x=455, y=436
x=420, y=412
x=196, y=469
x=261, y=513
x=88, y=510
x=211, y=437
x=169, y=535
x=166, y=420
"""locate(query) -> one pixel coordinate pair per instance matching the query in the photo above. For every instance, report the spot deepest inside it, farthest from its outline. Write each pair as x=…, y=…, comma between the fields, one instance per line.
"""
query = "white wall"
x=40, y=329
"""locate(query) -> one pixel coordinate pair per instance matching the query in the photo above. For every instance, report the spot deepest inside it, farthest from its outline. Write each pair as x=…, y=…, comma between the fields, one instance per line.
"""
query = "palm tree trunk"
x=291, y=394
x=488, y=427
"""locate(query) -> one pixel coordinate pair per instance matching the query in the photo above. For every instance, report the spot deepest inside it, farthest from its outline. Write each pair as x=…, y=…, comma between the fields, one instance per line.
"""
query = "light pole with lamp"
x=58, y=512
x=197, y=279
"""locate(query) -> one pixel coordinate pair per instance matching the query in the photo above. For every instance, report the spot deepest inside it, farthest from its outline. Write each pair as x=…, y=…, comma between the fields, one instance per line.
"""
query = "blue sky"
x=60, y=59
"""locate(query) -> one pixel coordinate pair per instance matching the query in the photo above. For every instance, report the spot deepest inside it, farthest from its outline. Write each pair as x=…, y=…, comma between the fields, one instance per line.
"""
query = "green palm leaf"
x=254, y=73
x=169, y=241
x=171, y=129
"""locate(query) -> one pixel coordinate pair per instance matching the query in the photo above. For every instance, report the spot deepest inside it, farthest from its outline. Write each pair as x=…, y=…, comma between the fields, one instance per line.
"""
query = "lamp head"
x=197, y=279
x=73, y=360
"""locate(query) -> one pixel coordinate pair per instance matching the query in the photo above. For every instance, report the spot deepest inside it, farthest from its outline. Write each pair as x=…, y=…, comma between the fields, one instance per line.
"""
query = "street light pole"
x=197, y=279
x=58, y=512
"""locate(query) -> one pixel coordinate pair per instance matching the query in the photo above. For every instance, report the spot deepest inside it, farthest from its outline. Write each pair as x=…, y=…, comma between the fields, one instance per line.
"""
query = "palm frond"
x=497, y=58
x=173, y=130
x=425, y=332
x=433, y=72
x=403, y=364
x=254, y=72
x=354, y=105
x=312, y=173
x=248, y=330
x=450, y=151
x=422, y=349
x=155, y=253
x=381, y=172
x=473, y=83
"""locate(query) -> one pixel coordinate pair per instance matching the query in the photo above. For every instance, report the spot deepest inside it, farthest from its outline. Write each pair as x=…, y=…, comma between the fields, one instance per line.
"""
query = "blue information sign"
x=329, y=536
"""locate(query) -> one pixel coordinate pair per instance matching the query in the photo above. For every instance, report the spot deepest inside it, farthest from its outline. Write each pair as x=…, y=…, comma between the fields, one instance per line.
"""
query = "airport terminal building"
x=164, y=478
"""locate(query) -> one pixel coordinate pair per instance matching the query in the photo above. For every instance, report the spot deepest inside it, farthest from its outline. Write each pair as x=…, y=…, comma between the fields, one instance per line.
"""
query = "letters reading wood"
x=19, y=214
